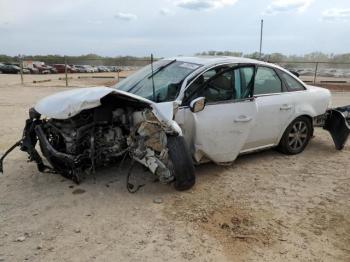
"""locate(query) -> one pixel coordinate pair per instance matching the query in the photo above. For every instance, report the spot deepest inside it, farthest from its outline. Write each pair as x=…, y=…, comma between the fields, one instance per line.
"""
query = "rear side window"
x=267, y=82
x=292, y=84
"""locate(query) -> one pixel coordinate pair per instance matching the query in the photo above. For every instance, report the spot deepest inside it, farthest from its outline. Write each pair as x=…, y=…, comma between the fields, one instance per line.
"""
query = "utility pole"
x=21, y=67
x=65, y=70
x=261, y=37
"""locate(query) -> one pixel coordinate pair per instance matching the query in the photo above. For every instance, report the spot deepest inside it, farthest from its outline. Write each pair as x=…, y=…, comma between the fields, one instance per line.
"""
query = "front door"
x=219, y=132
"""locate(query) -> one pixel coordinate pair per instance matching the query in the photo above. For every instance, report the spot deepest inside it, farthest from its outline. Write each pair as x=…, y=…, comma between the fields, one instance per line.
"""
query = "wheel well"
x=311, y=122
x=307, y=116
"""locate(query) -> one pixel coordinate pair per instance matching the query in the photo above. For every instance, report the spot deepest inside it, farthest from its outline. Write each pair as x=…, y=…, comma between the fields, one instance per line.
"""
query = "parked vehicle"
x=89, y=69
x=61, y=68
x=8, y=68
x=181, y=111
x=80, y=69
x=31, y=70
x=45, y=69
x=114, y=69
x=103, y=69
x=51, y=69
x=95, y=68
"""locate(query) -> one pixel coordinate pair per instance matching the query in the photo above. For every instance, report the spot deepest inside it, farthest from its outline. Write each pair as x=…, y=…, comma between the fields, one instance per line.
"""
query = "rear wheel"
x=296, y=137
x=182, y=163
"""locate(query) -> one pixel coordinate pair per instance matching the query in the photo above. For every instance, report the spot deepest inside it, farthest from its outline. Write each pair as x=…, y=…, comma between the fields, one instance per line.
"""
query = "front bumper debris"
x=337, y=122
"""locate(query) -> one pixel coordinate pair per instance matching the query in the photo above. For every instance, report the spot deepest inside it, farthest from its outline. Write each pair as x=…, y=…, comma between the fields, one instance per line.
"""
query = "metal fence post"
x=315, y=76
x=21, y=69
x=65, y=70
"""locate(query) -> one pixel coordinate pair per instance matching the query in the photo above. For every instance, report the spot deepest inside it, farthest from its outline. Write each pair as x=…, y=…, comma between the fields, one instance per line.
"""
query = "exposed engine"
x=103, y=135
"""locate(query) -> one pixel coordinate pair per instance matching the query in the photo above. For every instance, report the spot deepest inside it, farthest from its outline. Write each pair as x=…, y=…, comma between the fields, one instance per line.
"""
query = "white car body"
x=222, y=130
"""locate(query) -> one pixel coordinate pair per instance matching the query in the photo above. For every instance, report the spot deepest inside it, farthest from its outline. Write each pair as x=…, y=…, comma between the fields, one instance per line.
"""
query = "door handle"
x=286, y=107
x=243, y=119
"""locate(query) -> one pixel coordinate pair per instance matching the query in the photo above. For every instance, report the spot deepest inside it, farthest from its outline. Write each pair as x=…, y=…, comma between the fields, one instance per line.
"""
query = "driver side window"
x=220, y=84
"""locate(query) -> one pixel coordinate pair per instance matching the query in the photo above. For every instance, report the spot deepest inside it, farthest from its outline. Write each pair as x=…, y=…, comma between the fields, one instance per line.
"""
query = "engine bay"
x=100, y=137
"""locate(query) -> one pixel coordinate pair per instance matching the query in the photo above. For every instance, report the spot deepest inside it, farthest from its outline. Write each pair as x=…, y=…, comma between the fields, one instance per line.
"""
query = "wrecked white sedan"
x=179, y=112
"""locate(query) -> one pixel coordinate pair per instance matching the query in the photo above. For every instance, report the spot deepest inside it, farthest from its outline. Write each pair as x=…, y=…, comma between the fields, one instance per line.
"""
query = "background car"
x=89, y=69
x=31, y=70
x=8, y=68
x=114, y=69
x=77, y=68
x=103, y=69
x=61, y=68
x=80, y=69
x=45, y=69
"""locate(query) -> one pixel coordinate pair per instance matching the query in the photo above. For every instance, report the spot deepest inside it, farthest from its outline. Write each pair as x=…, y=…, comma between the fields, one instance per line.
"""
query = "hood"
x=67, y=104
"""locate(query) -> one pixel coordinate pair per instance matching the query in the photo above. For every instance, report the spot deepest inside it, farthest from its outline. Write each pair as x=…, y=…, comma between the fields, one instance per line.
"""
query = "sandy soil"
x=265, y=207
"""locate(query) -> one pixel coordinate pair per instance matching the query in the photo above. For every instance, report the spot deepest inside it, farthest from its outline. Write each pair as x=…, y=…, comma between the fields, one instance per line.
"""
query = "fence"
x=115, y=68
x=64, y=69
x=319, y=72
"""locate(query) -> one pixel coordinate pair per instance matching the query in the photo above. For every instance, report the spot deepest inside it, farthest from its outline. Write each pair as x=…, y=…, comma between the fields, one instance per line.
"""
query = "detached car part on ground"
x=182, y=111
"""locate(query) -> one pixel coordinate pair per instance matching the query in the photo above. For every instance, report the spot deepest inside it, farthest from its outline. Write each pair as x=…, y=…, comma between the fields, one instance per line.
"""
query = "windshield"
x=168, y=76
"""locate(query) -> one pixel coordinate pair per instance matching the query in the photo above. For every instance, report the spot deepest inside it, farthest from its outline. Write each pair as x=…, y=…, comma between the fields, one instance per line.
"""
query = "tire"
x=296, y=137
x=182, y=163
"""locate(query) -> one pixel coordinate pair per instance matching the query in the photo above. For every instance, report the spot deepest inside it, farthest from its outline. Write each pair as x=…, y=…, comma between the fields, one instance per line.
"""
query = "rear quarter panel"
x=312, y=102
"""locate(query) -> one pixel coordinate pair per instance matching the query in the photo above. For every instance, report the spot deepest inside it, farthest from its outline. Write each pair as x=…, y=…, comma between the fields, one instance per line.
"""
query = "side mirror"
x=197, y=104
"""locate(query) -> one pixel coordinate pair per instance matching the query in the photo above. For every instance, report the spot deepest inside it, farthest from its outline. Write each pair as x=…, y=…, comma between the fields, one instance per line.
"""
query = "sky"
x=172, y=27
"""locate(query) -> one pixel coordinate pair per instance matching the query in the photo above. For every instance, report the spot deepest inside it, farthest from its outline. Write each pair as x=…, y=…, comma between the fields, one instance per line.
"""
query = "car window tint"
x=267, y=81
x=293, y=84
x=220, y=88
x=191, y=90
x=209, y=74
x=231, y=85
x=243, y=81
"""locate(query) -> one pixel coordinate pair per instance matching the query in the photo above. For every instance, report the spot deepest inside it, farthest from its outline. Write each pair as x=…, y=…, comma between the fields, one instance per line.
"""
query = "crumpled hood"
x=66, y=104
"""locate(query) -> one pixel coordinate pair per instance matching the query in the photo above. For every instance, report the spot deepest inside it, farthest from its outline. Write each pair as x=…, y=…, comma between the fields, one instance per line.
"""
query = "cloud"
x=95, y=22
x=166, y=11
x=200, y=5
x=287, y=6
x=125, y=16
x=336, y=14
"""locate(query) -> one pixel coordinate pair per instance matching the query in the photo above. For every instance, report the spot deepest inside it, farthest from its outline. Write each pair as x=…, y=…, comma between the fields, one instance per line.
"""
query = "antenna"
x=261, y=36
x=153, y=88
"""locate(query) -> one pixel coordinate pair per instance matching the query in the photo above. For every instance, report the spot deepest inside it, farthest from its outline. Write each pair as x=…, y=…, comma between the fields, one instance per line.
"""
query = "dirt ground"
x=265, y=207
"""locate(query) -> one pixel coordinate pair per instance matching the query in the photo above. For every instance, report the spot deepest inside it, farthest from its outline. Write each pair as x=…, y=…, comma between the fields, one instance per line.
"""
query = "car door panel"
x=274, y=113
x=276, y=109
x=219, y=131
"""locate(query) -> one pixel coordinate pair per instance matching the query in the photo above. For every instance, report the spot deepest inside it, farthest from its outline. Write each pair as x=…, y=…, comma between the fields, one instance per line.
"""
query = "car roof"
x=213, y=60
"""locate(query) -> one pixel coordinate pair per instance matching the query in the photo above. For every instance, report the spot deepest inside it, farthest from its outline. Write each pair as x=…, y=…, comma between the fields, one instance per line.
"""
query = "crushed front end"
x=104, y=135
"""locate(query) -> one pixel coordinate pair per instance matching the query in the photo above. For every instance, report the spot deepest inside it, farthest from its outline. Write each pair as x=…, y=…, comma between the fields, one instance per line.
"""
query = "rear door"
x=219, y=131
x=275, y=109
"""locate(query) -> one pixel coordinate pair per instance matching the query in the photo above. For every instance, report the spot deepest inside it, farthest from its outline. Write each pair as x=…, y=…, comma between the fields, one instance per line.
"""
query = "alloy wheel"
x=298, y=135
